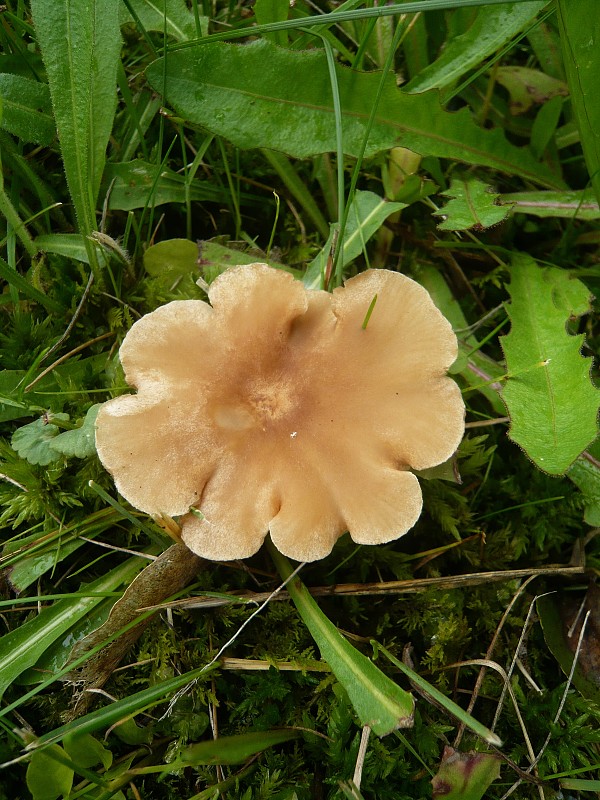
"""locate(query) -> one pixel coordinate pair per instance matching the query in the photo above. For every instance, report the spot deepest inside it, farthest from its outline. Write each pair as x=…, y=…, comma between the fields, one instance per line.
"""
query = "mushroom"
x=281, y=409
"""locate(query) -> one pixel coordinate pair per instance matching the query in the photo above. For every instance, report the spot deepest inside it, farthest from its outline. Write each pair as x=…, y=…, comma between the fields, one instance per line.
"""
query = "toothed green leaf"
x=492, y=27
x=261, y=95
x=551, y=401
x=473, y=206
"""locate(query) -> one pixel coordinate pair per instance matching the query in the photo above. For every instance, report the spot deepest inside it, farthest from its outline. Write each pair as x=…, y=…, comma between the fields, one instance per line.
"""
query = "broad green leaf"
x=260, y=95
x=177, y=257
x=232, y=749
x=377, y=700
x=580, y=784
x=585, y=474
x=551, y=401
x=180, y=21
x=81, y=442
x=47, y=778
x=492, y=28
x=545, y=42
x=473, y=206
x=131, y=733
x=527, y=86
x=435, y=283
x=136, y=184
x=366, y=215
x=576, y=204
x=105, y=56
x=544, y=126
x=22, y=647
x=173, y=256
x=448, y=471
x=215, y=258
x=80, y=43
x=32, y=441
x=579, y=24
x=86, y=751
x=465, y=776
x=26, y=109
x=224, y=750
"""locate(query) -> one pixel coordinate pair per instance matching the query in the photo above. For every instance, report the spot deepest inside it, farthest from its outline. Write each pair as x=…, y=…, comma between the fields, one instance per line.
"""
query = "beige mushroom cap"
x=273, y=409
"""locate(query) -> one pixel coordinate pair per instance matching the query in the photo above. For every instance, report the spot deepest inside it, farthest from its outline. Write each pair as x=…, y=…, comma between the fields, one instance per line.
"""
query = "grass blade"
x=14, y=278
x=450, y=706
x=377, y=700
x=22, y=647
x=366, y=215
x=132, y=704
x=579, y=25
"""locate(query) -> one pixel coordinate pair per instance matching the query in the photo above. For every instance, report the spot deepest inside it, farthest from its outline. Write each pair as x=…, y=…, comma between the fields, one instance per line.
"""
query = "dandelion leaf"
x=26, y=109
x=552, y=403
x=492, y=27
x=261, y=95
x=473, y=205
